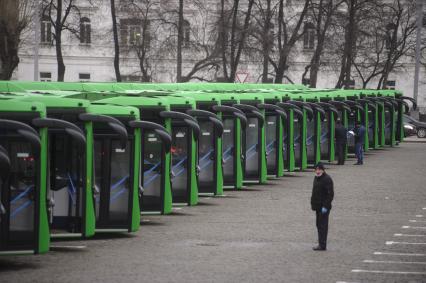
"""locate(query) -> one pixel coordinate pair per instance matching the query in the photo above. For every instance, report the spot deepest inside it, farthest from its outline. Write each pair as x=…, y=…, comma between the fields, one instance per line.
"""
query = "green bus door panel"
x=233, y=121
x=211, y=128
x=275, y=117
x=185, y=133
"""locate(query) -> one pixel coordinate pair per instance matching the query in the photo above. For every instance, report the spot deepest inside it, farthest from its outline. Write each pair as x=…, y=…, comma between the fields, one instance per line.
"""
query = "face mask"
x=319, y=174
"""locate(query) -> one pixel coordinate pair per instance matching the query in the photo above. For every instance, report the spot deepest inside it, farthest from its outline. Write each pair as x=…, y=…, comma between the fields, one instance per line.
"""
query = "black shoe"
x=357, y=163
x=319, y=248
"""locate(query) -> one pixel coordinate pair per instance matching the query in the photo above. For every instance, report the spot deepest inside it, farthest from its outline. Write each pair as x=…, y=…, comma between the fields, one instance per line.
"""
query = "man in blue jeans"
x=359, y=143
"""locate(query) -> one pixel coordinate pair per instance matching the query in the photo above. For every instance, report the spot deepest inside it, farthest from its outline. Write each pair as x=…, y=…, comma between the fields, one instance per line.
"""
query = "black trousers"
x=322, y=227
x=340, y=149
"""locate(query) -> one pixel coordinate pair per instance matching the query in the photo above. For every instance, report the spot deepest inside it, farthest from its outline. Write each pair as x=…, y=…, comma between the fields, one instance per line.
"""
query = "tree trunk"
x=236, y=44
x=116, y=44
x=313, y=74
x=9, y=38
x=315, y=64
x=266, y=42
x=8, y=65
x=9, y=54
x=289, y=41
x=179, y=43
x=233, y=44
x=321, y=34
x=349, y=46
x=279, y=73
x=223, y=38
x=58, y=42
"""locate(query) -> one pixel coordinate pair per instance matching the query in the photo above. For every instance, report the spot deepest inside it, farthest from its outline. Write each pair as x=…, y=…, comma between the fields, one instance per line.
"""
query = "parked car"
x=419, y=127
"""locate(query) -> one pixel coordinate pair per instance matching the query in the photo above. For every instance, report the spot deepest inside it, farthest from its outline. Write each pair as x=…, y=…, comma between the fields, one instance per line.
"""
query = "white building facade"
x=89, y=53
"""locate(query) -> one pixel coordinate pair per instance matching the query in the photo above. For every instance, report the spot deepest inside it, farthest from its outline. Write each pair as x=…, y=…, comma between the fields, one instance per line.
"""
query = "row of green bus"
x=83, y=158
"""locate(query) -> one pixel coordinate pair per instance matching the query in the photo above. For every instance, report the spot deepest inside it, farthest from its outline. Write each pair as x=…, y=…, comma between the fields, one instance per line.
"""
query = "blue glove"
x=324, y=210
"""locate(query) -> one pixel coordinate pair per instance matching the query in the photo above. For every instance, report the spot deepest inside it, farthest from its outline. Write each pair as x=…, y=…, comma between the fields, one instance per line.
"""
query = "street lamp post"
x=36, y=39
x=418, y=43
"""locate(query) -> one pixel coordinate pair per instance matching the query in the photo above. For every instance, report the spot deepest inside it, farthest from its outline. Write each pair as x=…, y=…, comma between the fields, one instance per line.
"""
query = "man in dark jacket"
x=359, y=143
x=341, y=134
x=322, y=196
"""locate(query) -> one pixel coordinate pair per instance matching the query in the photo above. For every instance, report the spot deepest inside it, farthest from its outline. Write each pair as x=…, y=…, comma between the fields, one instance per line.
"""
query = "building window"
x=186, y=33
x=45, y=30
x=85, y=31
x=84, y=77
x=390, y=84
x=132, y=32
x=309, y=36
x=45, y=76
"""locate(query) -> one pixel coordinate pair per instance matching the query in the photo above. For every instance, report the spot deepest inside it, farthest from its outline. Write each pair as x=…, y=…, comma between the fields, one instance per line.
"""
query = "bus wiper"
x=252, y=110
x=24, y=130
x=74, y=131
x=234, y=111
x=190, y=121
x=158, y=129
x=218, y=125
x=115, y=124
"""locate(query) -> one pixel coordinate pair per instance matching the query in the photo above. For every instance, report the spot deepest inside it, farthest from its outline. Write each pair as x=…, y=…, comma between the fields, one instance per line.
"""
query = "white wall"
x=97, y=59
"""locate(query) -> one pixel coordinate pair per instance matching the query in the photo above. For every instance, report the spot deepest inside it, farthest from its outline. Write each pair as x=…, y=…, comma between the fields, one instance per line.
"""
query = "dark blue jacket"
x=359, y=134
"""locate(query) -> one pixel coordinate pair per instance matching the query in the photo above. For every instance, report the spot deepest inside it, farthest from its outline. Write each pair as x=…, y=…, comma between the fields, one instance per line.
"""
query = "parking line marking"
x=413, y=227
x=394, y=261
x=59, y=247
x=409, y=235
x=403, y=243
x=387, y=272
x=419, y=215
x=415, y=221
x=398, y=254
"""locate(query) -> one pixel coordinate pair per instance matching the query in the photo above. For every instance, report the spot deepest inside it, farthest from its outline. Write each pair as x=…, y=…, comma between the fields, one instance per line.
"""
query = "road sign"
x=241, y=77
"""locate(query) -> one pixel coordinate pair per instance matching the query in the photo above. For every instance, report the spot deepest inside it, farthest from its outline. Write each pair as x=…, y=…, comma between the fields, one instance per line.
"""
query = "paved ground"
x=265, y=234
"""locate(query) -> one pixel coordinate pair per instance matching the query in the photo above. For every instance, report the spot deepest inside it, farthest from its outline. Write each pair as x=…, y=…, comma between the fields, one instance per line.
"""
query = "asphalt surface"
x=264, y=234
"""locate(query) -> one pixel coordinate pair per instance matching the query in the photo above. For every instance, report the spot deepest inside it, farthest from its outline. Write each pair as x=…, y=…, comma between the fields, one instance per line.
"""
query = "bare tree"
x=262, y=32
x=190, y=37
x=350, y=19
x=232, y=34
x=116, y=43
x=138, y=32
x=289, y=32
x=386, y=35
x=322, y=14
x=180, y=24
x=200, y=40
x=400, y=35
x=371, y=44
x=64, y=16
x=368, y=63
x=15, y=16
